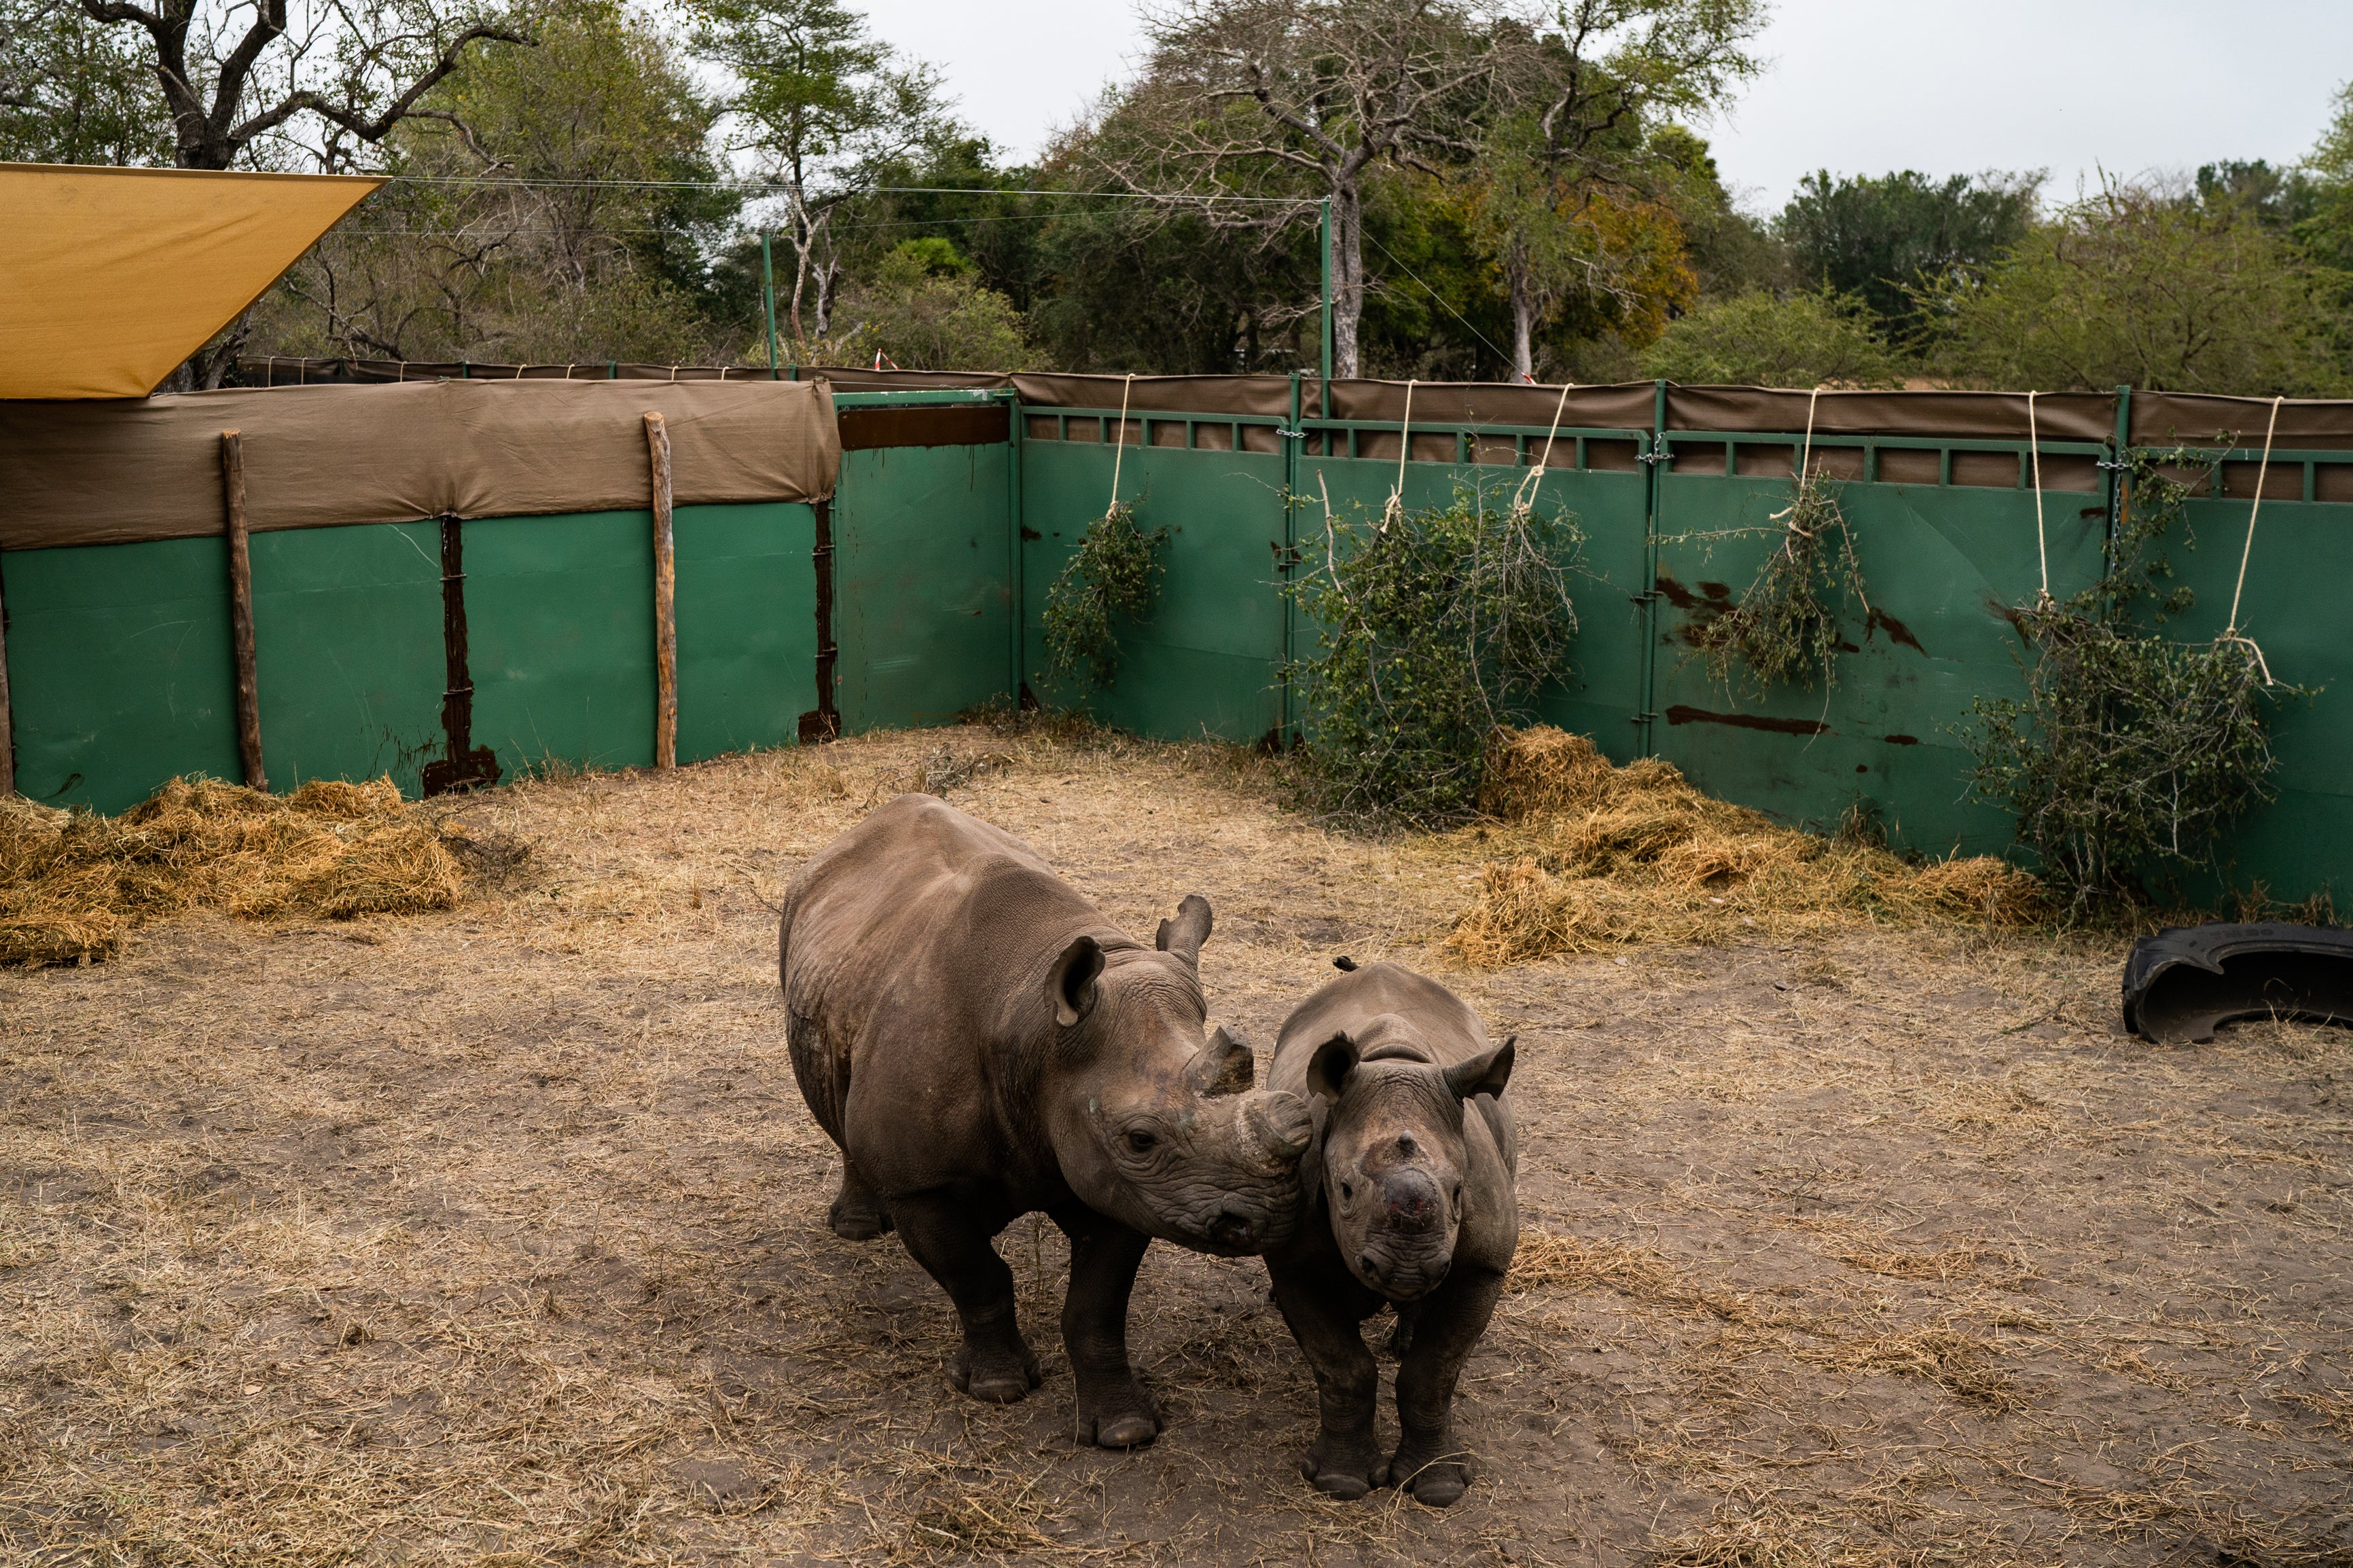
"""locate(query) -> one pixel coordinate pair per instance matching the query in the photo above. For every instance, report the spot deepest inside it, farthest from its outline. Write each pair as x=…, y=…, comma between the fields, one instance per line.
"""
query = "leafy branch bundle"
x=1786, y=624
x=2129, y=752
x=1116, y=569
x=1434, y=627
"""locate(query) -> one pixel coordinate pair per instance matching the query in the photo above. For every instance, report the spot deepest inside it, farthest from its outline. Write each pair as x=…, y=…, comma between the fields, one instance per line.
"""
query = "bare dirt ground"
x=497, y=1237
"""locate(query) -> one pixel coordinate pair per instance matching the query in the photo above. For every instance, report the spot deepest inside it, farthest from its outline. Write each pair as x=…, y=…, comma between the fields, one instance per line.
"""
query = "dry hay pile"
x=1606, y=856
x=73, y=884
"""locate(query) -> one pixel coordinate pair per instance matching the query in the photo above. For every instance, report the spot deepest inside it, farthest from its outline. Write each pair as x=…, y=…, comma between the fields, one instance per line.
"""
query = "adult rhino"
x=1408, y=1198
x=982, y=1043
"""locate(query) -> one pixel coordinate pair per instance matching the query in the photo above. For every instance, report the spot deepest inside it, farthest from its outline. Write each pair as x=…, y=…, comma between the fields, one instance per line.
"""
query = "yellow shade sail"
x=110, y=278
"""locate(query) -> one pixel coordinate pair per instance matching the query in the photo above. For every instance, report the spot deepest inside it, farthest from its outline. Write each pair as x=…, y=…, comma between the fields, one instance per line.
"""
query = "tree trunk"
x=1347, y=275
x=1524, y=314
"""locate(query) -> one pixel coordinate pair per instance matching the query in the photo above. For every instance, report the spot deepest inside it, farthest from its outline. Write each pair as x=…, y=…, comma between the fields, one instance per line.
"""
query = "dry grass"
x=1604, y=857
x=496, y=1234
x=73, y=885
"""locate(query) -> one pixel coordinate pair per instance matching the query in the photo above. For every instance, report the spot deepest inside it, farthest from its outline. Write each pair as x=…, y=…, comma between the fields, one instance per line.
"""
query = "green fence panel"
x=923, y=583
x=746, y=626
x=560, y=639
x=1941, y=564
x=2294, y=608
x=1209, y=656
x=119, y=671
x=1599, y=692
x=560, y=633
x=348, y=653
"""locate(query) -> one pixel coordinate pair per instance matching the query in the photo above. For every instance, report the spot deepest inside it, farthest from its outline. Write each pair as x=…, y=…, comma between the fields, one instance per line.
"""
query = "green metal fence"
x=957, y=508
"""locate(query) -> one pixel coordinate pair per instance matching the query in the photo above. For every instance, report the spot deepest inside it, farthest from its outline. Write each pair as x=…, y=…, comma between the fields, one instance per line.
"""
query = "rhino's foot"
x=994, y=1374
x=1124, y=1417
x=857, y=1220
x=1434, y=1483
x=1346, y=1470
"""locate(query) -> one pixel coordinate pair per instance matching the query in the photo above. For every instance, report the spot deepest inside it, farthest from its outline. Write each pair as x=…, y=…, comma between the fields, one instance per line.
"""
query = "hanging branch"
x=1116, y=570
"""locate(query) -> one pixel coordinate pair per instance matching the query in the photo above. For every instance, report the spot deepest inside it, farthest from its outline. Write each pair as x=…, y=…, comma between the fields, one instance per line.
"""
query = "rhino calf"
x=981, y=1043
x=1407, y=1198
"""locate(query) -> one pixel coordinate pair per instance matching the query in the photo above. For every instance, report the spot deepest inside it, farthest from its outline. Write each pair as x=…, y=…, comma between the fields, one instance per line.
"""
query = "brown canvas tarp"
x=115, y=472
x=2158, y=418
x=2197, y=419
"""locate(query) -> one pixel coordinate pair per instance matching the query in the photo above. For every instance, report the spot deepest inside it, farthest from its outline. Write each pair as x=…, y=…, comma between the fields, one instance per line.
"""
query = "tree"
x=357, y=66
x=563, y=213
x=2141, y=285
x=1568, y=179
x=72, y=91
x=924, y=309
x=823, y=106
x=1761, y=339
x=1257, y=109
x=1880, y=237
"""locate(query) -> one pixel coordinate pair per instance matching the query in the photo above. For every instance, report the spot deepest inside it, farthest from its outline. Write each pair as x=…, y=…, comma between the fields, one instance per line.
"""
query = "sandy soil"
x=497, y=1237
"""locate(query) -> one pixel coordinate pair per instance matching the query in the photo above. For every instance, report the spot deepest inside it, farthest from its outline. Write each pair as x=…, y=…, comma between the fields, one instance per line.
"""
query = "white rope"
x=2034, y=451
x=2262, y=473
x=1405, y=450
x=1806, y=453
x=2263, y=470
x=1119, y=441
x=1527, y=498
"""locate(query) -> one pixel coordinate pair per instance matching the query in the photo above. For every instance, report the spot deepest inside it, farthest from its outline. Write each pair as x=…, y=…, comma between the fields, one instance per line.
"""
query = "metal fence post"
x=1014, y=431
x=1648, y=718
x=1294, y=440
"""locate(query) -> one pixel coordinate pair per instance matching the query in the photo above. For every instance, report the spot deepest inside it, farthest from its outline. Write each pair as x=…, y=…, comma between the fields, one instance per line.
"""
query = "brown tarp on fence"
x=2197, y=419
x=116, y=472
x=2158, y=418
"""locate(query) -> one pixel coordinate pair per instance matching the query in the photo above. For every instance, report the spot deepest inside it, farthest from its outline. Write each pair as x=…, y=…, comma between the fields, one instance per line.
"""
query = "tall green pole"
x=1326, y=205
x=768, y=297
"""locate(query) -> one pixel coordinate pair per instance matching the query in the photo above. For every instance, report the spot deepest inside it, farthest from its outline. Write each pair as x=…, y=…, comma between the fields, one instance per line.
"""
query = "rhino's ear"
x=1482, y=1075
x=1071, y=984
x=1221, y=1067
x=1183, y=935
x=1328, y=1069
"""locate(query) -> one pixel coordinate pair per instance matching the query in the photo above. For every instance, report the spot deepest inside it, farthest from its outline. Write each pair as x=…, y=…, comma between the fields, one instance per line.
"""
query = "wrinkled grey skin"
x=1407, y=1197
x=981, y=1044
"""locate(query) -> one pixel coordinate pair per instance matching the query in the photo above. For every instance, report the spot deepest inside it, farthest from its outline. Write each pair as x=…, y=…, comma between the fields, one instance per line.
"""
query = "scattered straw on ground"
x=73, y=884
x=1604, y=857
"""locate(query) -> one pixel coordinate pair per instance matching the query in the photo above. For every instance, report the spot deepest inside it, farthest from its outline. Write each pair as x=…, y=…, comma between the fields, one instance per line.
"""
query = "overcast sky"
x=1853, y=86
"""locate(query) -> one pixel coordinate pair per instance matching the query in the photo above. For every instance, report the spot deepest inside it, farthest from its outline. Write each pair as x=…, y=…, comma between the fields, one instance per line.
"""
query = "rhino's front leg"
x=1114, y=1410
x=1325, y=1305
x=1445, y=1331
x=994, y=1363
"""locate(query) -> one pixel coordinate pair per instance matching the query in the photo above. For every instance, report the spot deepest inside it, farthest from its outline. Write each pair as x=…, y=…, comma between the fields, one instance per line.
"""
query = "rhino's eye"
x=1142, y=1142
x=1348, y=1191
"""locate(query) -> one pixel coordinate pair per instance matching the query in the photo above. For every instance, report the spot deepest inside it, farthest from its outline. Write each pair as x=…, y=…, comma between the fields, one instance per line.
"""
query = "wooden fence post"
x=665, y=601
x=240, y=612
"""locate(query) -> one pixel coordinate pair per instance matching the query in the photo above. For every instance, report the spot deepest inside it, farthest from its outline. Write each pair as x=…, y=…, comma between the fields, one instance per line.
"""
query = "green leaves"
x=1786, y=624
x=2129, y=754
x=1117, y=570
x=1433, y=628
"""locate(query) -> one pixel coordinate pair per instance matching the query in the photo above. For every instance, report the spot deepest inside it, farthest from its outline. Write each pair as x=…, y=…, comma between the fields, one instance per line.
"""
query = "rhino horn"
x=1221, y=1067
x=1282, y=1122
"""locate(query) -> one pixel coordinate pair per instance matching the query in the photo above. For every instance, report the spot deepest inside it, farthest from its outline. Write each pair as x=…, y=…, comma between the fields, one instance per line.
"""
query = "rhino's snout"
x=1403, y=1278
x=1411, y=1201
x=1234, y=1232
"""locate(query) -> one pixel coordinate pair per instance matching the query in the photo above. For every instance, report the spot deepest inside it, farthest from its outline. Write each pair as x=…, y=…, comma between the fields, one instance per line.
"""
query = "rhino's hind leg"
x=857, y=1214
x=993, y=1365
x=1113, y=1411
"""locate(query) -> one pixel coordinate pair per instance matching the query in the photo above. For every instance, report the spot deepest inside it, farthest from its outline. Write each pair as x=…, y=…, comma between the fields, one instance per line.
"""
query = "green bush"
x=1116, y=571
x=1433, y=628
x=1763, y=339
x=2129, y=754
x=1787, y=624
